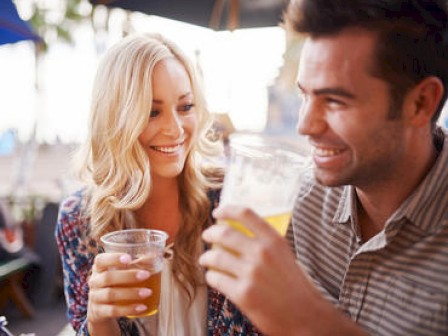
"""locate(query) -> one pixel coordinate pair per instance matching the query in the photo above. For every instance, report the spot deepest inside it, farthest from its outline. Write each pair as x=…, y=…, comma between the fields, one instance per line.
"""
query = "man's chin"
x=329, y=180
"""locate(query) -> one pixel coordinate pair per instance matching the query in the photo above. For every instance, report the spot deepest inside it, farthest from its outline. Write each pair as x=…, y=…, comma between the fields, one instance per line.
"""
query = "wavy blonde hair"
x=114, y=166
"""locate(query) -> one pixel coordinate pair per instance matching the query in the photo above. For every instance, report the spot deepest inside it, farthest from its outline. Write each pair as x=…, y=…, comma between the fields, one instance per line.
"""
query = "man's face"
x=344, y=112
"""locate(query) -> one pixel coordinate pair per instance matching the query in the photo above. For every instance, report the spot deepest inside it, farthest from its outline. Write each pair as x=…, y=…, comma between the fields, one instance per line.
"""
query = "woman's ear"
x=423, y=100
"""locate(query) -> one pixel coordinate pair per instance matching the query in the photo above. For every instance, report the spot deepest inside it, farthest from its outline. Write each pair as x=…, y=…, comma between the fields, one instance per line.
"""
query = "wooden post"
x=234, y=15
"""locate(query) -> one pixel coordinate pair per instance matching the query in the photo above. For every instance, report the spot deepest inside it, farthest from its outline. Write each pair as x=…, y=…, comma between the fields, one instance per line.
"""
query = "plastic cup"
x=146, y=248
x=264, y=174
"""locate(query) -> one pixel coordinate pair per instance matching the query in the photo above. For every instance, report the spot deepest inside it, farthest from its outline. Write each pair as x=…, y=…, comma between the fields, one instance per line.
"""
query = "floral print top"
x=77, y=255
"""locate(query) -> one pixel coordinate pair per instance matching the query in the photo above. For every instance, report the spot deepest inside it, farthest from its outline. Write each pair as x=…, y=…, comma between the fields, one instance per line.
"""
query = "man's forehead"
x=347, y=50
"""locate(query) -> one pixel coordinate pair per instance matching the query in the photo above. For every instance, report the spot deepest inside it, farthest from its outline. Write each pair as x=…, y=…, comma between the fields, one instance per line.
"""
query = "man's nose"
x=311, y=119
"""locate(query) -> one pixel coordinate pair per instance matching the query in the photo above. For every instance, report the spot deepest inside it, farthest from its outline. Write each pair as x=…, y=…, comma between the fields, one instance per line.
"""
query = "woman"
x=143, y=165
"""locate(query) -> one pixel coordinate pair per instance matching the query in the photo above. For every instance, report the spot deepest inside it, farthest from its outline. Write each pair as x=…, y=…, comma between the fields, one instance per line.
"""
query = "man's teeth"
x=326, y=151
x=166, y=149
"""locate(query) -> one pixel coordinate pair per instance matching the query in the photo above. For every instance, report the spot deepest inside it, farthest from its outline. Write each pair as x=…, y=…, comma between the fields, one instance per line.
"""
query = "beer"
x=146, y=250
x=279, y=222
x=151, y=302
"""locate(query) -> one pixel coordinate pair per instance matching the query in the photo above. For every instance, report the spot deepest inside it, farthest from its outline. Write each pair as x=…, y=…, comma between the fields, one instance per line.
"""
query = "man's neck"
x=378, y=201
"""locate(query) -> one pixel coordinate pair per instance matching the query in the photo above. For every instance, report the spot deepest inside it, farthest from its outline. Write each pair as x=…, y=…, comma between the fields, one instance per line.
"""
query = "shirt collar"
x=421, y=207
x=347, y=206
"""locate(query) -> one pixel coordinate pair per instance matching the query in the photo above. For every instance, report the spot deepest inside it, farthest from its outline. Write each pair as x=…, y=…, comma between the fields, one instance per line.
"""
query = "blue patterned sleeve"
x=77, y=255
x=224, y=318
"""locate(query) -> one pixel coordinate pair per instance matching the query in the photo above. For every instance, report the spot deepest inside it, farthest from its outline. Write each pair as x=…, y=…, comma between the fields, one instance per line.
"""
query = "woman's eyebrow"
x=183, y=96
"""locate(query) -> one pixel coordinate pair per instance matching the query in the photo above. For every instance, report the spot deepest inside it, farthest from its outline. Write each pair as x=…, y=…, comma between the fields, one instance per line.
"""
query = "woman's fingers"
x=98, y=312
x=116, y=286
x=105, y=261
x=114, y=277
x=116, y=295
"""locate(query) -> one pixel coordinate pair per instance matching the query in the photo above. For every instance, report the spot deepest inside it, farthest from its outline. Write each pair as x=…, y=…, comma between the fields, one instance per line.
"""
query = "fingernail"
x=125, y=259
x=144, y=292
x=140, y=308
x=142, y=275
x=201, y=260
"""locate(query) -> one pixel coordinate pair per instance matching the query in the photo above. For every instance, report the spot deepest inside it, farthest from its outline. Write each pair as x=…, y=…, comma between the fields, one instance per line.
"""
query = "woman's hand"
x=114, y=291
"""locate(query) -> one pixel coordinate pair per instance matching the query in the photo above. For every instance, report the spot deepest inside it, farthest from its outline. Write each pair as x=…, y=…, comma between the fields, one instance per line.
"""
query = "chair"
x=15, y=261
x=11, y=276
x=47, y=278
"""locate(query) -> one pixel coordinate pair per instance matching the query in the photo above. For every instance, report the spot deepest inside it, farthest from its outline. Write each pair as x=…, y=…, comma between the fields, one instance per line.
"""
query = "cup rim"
x=163, y=234
x=247, y=140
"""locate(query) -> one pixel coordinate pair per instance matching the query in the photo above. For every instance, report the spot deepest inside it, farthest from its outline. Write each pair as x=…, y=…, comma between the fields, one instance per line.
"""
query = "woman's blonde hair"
x=114, y=166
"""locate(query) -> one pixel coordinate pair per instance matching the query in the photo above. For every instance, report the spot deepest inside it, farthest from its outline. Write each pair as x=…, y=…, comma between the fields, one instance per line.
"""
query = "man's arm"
x=261, y=276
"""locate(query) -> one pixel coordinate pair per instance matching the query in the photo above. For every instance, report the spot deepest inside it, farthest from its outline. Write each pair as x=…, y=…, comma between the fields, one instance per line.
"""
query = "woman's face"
x=172, y=121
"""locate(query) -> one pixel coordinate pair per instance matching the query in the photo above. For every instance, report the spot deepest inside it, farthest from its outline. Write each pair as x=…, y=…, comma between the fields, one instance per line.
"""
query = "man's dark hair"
x=412, y=36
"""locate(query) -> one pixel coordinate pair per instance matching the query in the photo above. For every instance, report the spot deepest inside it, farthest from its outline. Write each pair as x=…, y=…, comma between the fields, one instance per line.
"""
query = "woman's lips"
x=168, y=149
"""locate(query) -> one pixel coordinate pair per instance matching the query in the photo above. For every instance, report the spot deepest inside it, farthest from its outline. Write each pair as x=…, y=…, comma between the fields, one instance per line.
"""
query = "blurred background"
x=49, y=51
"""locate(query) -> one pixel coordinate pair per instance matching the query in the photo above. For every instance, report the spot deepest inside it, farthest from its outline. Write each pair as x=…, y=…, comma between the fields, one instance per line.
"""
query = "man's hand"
x=260, y=275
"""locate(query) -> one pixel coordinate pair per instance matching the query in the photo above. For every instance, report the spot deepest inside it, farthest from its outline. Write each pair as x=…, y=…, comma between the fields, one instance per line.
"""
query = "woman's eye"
x=154, y=113
x=186, y=108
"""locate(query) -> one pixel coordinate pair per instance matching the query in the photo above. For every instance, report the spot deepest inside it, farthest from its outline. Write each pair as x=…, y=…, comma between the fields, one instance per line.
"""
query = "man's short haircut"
x=412, y=36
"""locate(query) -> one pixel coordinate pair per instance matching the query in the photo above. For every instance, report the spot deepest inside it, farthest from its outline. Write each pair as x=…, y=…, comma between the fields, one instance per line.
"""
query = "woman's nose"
x=173, y=126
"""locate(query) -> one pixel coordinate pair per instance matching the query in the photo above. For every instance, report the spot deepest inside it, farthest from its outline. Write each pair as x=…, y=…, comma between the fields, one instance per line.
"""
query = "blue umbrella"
x=12, y=27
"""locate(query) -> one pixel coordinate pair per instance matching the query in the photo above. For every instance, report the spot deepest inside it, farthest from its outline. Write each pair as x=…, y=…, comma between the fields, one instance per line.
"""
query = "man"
x=371, y=225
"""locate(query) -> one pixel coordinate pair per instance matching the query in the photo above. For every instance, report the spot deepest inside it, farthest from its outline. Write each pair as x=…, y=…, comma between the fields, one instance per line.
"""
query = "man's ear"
x=422, y=101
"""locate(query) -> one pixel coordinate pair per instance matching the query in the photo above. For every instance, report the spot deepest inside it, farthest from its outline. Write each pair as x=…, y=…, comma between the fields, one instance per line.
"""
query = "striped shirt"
x=396, y=283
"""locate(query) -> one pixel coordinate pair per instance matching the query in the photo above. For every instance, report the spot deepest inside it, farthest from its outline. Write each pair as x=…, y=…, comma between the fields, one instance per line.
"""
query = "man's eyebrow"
x=330, y=91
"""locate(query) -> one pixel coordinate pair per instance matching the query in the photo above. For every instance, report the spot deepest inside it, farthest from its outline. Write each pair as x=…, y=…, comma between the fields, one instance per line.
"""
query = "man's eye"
x=334, y=102
x=154, y=113
x=186, y=108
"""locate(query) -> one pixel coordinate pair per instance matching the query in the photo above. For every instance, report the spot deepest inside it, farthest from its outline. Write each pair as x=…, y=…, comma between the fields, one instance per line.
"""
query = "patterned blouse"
x=77, y=255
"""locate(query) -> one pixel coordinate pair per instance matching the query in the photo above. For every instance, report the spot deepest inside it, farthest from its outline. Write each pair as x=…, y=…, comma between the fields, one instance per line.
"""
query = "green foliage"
x=50, y=25
x=27, y=208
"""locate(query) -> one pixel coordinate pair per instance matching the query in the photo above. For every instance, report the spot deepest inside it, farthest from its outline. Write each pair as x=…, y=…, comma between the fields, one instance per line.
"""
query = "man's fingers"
x=222, y=282
x=225, y=237
x=248, y=217
x=223, y=260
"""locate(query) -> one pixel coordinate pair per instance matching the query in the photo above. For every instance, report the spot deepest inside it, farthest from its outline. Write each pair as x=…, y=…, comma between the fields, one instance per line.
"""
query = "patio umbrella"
x=215, y=14
x=12, y=27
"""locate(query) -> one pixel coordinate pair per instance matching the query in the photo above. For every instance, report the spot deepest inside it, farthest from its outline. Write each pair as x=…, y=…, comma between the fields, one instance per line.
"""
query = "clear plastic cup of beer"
x=264, y=173
x=146, y=248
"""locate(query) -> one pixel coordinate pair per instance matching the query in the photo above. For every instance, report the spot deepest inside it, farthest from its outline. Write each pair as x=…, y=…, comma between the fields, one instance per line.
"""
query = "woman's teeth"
x=166, y=149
